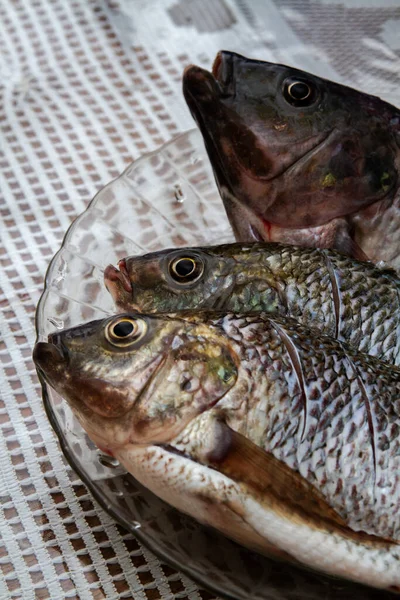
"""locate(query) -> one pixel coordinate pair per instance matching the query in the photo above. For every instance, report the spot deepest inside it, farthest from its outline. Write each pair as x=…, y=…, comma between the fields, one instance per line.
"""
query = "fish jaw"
x=215, y=500
x=49, y=359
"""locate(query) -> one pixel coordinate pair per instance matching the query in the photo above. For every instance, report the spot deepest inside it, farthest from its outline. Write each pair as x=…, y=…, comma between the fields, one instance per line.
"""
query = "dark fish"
x=285, y=441
x=354, y=301
x=299, y=159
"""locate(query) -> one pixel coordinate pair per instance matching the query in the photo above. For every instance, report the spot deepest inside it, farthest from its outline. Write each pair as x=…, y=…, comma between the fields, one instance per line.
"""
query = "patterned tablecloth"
x=86, y=87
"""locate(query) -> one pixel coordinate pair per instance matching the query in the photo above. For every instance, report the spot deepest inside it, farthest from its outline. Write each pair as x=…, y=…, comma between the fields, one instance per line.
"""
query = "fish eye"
x=186, y=269
x=298, y=92
x=125, y=331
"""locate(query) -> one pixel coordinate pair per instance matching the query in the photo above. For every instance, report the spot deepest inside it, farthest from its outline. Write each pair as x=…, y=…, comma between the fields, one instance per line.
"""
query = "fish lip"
x=112, y=274
x=125, y=279
x=56, y=339
x=216, y=68
x=222, y=71
x=204, y=83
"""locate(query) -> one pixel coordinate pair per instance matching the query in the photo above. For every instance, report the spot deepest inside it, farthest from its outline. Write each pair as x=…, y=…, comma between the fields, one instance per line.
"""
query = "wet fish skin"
x=355, y=301
x=320, y=172
x=311, y=403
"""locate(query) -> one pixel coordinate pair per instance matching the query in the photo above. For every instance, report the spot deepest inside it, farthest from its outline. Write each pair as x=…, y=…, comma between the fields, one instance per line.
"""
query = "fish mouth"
x=193, y=103
x=49, y=357
x=222, y=71
x=199, y=84
x=52, y=352
x=125, y=275
x=119, y=276
x=117, y=280
x=217, y=64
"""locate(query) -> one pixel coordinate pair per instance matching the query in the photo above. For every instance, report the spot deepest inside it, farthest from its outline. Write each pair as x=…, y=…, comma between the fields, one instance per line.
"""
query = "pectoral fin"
x=280, y=487
x=272, y=480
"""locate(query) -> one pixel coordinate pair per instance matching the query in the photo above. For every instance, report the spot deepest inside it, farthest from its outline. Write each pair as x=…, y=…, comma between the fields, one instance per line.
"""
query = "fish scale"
x=355, y=301
x=332, y=437
x=372, y=323
x=311, y=299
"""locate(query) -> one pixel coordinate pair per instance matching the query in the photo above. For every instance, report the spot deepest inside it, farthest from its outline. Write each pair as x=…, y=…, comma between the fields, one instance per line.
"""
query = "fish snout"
x=47, y=356
x=199, y=83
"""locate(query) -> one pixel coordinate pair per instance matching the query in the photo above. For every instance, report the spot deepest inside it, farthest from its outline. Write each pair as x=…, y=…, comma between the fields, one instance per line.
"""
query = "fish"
x=285, y=441
x=356, y=302
x=299, y=159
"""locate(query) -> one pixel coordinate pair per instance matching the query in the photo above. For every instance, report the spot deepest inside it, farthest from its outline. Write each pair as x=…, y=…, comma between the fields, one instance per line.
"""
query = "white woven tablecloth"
x=86, y=87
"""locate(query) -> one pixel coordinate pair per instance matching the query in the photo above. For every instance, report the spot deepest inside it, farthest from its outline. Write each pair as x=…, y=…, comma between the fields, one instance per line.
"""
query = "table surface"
x=87, y=86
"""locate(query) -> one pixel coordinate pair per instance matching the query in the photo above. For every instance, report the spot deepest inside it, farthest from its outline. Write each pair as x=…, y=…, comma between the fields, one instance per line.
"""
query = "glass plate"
x=164, y=199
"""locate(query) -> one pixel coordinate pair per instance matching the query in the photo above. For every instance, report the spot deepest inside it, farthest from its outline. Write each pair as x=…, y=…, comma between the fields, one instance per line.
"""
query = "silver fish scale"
x=267, y=406
x=384, y=400
x=369, y=321
x=333, y=428
x=336, y=422
x=306, y=286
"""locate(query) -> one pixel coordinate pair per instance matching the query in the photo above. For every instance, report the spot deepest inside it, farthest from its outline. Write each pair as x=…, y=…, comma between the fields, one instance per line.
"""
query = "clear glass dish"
x=165, y=199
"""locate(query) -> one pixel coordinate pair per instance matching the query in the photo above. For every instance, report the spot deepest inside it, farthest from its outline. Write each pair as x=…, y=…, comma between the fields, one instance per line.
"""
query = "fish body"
x=299, y=159
x=285, y=441
x=353, y=301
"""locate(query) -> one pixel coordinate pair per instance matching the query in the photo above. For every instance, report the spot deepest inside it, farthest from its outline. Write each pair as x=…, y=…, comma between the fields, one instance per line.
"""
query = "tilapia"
x=285, y=441
x=299, y=159
x=353, y=301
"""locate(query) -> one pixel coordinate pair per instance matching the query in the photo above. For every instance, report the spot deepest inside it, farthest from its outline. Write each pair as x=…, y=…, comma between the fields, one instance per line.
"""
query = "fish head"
x=172, y=279
x=289, y=148
x=137, y=379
